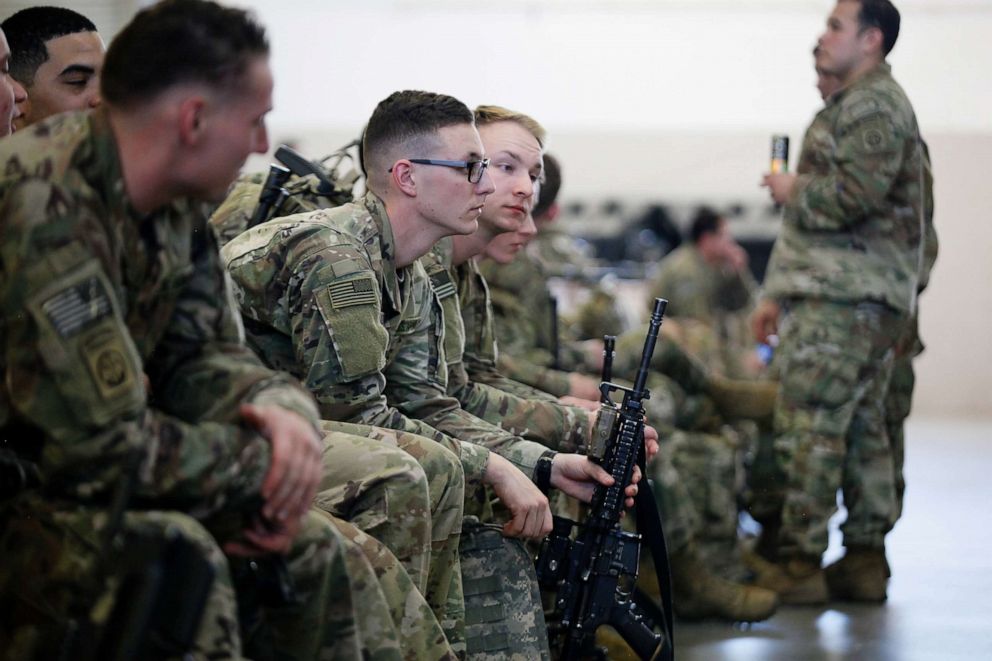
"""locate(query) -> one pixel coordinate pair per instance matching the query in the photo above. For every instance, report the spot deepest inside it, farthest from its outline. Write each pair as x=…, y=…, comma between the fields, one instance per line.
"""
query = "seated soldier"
x=57, y=54
x=126, y=387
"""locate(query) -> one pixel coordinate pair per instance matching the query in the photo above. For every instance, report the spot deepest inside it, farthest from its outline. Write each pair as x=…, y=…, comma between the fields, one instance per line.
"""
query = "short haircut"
x=29, y=29
x=705, y=221
x=550, y=185
x=405, y=117
x=176, y=42
x=881, y=14
x=492, y=114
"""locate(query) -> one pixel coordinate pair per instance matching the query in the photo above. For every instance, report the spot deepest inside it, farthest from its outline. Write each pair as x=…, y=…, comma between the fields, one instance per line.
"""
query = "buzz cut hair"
x=881, y=14
x=28, y=32
x=492, y=114
x=408, y=118
x=176, y=42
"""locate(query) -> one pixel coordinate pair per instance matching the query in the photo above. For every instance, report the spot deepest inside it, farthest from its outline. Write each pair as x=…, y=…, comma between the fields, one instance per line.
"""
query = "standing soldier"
x=841, y=286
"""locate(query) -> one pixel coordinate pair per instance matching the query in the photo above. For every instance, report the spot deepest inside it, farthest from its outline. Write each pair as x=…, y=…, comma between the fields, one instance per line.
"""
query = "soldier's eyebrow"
x=78, y=68
x=513, y=155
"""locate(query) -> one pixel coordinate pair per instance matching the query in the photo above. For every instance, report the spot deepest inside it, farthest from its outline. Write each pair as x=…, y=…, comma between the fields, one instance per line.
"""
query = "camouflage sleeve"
x=542, y=378
x=203, y=350
x=340, y=340
x=866, y=158
x=558, y=427
x=77, y=376
x=491, y=376
x=417, y=378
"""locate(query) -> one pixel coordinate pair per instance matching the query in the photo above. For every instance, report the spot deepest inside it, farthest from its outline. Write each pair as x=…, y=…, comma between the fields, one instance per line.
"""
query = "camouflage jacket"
x=463, y=296
x=322, y=298
x=698, y=290
x=853, y=229
x=95, y=298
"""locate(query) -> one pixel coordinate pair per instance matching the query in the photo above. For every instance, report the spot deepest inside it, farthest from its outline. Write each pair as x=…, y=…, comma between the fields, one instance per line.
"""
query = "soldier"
x=841, y=285
x=126, y=390
x=12, y=93
x=341, y=297
x=699, y=593
x=711, y=293
x=57, y=55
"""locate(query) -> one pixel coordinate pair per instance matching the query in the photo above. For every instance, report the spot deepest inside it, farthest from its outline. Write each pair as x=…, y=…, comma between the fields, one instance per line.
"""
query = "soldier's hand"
x=582, y=386
x=528, y=506
x=780, y=186
x=650, y=442
x=764, y=320
x=263, y=538
x=587, y=404
x=577, y=476
x=296, y=466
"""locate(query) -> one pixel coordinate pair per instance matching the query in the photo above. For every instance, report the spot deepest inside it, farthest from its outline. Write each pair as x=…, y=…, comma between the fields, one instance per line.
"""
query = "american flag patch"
x=352, y=292
x=77, y=307
x=442, y=284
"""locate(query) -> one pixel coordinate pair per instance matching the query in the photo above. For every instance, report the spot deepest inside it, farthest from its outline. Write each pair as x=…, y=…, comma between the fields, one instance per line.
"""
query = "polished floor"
x=940, y=594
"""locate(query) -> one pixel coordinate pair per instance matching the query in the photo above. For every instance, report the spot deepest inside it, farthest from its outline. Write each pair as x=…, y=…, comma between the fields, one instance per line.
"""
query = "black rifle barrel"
x=301, y=167
x=271, y=190
x=660, y=304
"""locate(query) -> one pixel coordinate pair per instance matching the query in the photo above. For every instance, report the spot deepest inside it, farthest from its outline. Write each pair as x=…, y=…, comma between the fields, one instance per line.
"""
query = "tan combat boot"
x=798, y=581
x=700, y=594
x=861, y=575
x=743, y=399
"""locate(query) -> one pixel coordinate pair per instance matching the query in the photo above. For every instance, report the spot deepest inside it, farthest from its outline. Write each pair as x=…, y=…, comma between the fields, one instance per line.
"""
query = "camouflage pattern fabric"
x=854, y=228
x=96, y=300
x=408, y=492
x=711, y=307
x=504, y=617
x=835, y=363
x=540, y=420
x=322, y=295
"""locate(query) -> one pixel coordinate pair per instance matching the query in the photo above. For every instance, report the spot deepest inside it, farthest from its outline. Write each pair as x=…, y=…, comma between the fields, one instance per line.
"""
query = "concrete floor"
x=940, y=594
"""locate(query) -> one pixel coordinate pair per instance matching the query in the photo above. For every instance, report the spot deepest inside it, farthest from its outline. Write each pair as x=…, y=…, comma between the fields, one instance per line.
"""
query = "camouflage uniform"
x=95, y=299
x=373, y=481
x=846, y=268
x=323, y=299
x=463, y=296
x=711, y=305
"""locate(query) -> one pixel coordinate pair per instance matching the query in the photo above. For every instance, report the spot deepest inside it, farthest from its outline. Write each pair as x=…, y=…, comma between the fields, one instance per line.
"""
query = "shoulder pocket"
x=350, y=309
x=84, y=342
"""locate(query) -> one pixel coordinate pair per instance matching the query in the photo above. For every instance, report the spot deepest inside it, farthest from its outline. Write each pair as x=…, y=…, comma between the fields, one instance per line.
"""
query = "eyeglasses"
x=475, y=168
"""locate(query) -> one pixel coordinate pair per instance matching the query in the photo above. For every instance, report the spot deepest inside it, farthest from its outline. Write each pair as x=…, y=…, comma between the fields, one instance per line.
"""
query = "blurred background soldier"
x=12, y=93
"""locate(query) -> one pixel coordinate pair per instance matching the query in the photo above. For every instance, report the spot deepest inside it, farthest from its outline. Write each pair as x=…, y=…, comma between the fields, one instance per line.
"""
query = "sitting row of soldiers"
x=333, y=436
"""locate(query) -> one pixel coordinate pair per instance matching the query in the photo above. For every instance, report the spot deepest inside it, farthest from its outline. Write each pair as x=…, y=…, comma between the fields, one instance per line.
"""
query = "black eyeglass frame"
x=482, y=164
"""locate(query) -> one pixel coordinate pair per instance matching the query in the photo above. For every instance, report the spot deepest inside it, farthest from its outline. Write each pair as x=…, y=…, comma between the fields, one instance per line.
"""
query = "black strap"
x=649, y=525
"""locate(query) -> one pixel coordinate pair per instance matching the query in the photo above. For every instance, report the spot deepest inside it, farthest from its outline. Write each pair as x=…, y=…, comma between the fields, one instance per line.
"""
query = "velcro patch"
x=78, y=307
x=106, y=358
x=442, y=284
x=360, y=291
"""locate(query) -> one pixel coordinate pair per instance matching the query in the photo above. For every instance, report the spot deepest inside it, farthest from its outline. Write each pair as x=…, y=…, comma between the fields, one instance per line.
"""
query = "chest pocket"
x=350, y=310
x=84, y=342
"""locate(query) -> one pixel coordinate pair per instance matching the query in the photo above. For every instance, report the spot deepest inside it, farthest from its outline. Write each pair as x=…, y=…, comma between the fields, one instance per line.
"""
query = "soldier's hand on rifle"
x=295, y=469
x=528, y=506
x=650, y=442
x=577, y=476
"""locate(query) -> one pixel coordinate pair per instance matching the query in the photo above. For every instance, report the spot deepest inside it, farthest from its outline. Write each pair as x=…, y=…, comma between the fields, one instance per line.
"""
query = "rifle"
x=272, y=196
x=594, y=574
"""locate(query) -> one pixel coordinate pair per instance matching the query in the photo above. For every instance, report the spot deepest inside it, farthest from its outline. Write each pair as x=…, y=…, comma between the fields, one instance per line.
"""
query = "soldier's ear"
x=191, y=120
x=403, y=177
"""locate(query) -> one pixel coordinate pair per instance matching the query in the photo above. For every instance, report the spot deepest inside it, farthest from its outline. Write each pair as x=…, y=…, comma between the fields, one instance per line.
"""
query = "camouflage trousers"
x=407, y=492
x=899, y=401
x=51, y=575
x=835, y=361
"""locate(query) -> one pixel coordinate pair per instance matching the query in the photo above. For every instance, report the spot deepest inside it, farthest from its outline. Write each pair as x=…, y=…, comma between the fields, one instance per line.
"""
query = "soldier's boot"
x=700, y=594
x=743, y=399
x=861, y=575
x=799, y=581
